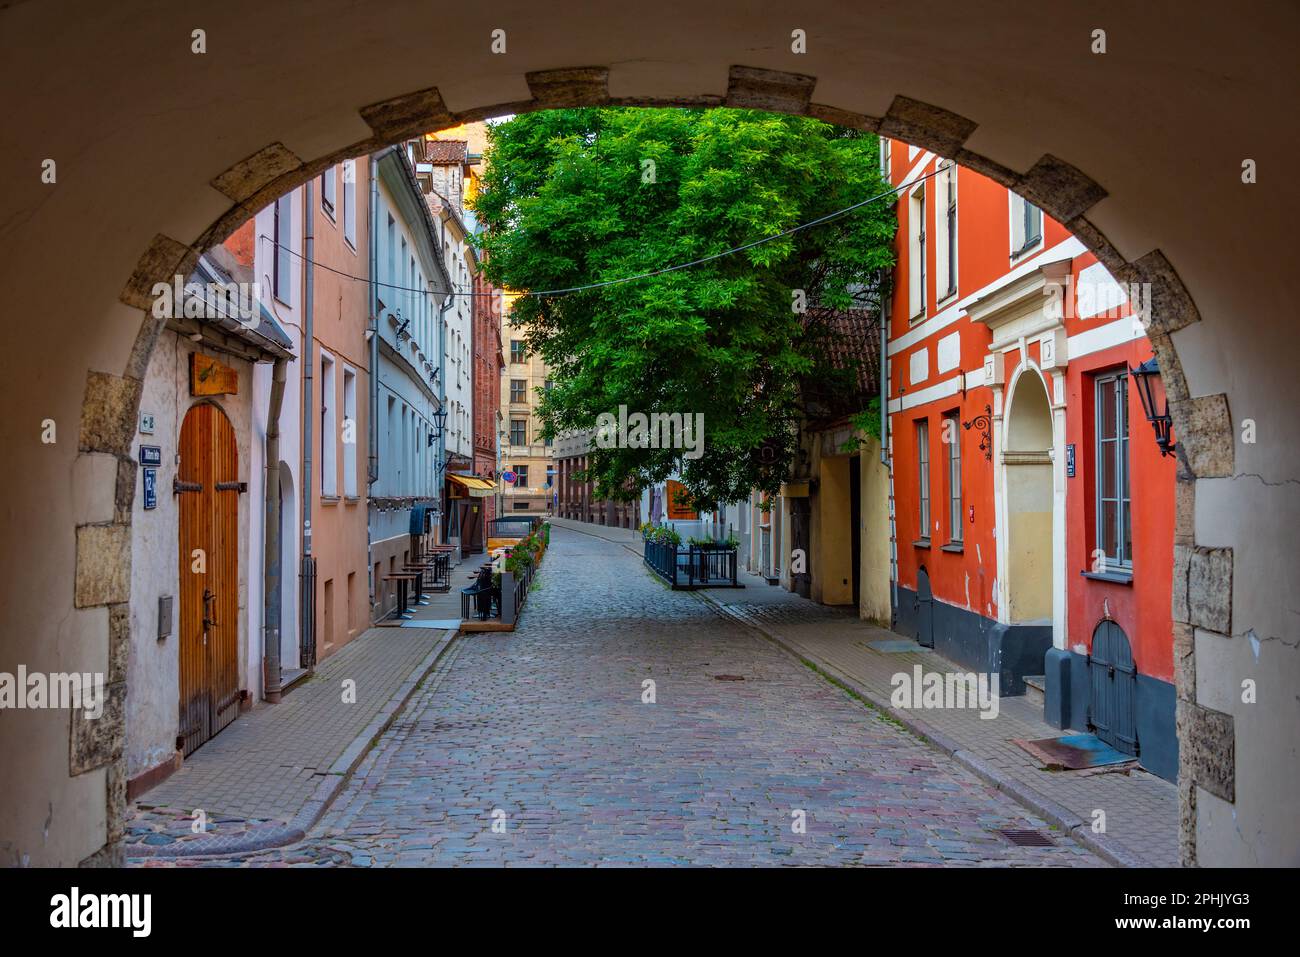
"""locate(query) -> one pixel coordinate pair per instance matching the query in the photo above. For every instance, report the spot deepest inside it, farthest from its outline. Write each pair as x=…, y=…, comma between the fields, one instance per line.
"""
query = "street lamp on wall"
x=1155, y=404
x=439, y=423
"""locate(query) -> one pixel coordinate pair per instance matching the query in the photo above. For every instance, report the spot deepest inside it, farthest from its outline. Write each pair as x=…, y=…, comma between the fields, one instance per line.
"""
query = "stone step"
x=1036, y=689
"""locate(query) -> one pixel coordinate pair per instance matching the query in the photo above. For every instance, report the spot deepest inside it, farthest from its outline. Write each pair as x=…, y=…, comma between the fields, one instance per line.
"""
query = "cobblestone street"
x=547, y=725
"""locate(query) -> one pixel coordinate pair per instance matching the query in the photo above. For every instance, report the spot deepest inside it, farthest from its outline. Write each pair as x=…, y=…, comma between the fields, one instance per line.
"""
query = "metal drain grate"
x=1026, y=838
x=728, y=678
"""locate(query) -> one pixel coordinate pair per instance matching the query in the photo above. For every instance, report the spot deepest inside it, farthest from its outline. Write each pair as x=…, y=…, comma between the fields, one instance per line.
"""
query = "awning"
x=476, y=487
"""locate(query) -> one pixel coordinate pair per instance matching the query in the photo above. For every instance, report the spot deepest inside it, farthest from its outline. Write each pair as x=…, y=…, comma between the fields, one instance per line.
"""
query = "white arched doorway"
x=1029, y=502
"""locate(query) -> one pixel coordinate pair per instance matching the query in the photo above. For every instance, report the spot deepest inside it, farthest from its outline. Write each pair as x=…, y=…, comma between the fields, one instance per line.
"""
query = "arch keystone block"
x=561, y=89
x=753, y=88
x=408, y=115
x=922, y=124
x=1207, y=749
x=1056, y=186
x=252, y=173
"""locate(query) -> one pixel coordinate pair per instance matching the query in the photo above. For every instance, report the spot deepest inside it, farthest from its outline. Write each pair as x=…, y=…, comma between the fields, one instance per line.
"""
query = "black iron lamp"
x=439, y=422
x=1155, y=404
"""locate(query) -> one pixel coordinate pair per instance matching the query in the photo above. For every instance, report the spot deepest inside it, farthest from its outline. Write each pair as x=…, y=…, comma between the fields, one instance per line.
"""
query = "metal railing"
x=693, y=566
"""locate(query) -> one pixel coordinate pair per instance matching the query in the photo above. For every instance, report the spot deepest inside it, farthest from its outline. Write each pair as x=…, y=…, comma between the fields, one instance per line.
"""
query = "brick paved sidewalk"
x=1141, y=809
x=265, y=779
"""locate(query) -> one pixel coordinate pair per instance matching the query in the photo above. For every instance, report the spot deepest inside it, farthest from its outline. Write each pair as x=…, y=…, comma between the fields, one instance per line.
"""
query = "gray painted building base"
x=1067, y=699
x=981, y=644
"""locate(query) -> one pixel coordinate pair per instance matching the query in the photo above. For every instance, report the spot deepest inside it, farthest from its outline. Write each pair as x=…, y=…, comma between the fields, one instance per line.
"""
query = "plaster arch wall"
x=161, y=151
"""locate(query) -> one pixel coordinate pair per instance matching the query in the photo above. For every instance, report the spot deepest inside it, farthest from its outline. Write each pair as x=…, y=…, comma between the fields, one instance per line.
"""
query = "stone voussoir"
x=407, y=115
x=1203, y=428
x=108, y=413
x=94, y=742
x=165, y=259
x=103, y=574
x=563, y=89
x=923, y=124
x=754, y=88
x=1059, y=188
x=1207, y=749
x=1209, y=587
x=250, y=174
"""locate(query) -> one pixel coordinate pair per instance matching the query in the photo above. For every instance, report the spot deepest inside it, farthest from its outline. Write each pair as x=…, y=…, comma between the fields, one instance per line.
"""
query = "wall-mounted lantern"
x=1155, y=404
x=439, y=424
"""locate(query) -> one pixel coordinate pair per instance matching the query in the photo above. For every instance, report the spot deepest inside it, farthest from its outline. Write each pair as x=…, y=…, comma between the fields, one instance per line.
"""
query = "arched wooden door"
x=1112, y=711
x=207, y=486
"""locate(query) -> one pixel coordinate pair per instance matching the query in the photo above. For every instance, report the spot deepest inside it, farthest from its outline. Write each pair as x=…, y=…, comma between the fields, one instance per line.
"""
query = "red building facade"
x=1033, y=508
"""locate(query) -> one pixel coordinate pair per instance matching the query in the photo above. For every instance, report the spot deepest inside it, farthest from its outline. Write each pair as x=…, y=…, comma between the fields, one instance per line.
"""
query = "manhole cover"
x=1026, y=838
x=728, y=678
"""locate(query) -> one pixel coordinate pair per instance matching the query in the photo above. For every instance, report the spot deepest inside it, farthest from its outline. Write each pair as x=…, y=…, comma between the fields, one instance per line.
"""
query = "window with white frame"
x=281, y=270
x=1114, y=527
x=329, y=429
x=916, y=253
x=886, y=157
x=945, y=232
x=1026, y=225
x=350, y=202
x=923, y=476
x=350, y=431
x=386, y=294
x=952, y=446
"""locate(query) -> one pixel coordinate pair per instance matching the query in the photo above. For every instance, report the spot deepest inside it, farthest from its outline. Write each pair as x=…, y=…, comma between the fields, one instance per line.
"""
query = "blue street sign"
x=1069, y=460
x=150, y=488
x=151, y=455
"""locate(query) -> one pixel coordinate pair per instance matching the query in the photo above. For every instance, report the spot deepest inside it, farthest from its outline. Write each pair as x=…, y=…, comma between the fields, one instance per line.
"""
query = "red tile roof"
x=447, y=152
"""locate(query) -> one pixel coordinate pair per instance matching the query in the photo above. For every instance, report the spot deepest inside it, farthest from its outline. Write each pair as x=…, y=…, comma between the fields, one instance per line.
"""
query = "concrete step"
x=1036, y=689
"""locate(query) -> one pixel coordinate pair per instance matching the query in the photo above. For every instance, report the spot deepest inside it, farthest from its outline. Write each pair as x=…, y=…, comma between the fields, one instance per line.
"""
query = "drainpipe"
x=372, y=473
x=442, y=405
x=884, y=377
x=884, y=449
x=271, y=570
x=307, y=615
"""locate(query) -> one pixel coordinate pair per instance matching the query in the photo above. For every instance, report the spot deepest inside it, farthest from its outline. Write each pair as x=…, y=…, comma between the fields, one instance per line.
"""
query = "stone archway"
x=887, y=74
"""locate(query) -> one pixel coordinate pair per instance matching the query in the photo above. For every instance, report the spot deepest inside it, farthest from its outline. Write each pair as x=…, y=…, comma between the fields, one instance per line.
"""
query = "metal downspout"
x=271, y=568
x=307, y=592
x=372, y=472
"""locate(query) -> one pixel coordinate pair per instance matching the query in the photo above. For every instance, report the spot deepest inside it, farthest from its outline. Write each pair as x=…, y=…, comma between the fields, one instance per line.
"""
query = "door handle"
x=208, y=598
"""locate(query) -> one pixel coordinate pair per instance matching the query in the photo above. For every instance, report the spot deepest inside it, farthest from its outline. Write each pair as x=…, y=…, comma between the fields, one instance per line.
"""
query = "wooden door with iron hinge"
x=207, y=486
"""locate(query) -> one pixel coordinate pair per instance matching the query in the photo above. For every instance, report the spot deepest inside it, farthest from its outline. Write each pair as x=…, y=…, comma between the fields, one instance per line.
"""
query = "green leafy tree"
x=582, y=196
